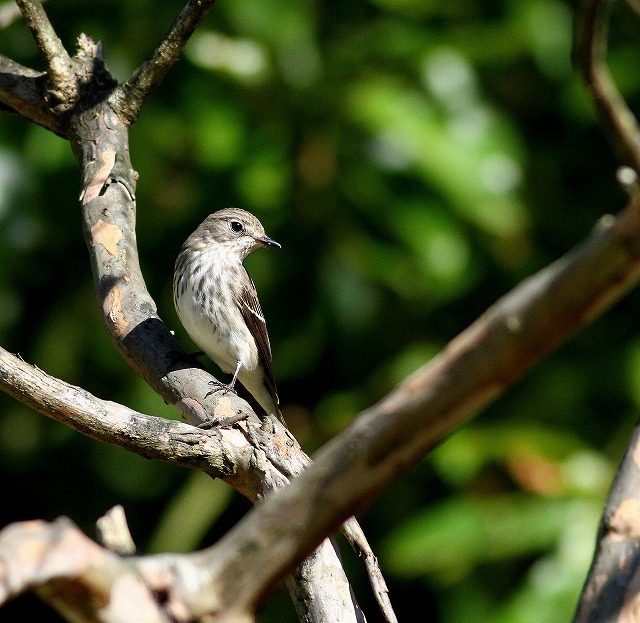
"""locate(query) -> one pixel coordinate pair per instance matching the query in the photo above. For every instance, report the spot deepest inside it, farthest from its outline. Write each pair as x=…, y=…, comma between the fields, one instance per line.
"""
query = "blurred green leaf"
x=190, y=514
x=452, y=537
x=465, y=454
x=478, y=178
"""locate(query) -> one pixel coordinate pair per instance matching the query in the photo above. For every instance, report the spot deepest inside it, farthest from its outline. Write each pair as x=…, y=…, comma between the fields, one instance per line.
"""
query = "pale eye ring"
x=236, y=227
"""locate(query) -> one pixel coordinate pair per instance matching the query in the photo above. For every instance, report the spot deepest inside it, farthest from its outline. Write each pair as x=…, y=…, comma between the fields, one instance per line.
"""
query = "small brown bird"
x=217, y=303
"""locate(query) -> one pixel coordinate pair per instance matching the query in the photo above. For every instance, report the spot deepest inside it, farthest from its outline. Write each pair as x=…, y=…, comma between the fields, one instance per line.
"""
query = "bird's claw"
x=219, y=387
x=223, y=421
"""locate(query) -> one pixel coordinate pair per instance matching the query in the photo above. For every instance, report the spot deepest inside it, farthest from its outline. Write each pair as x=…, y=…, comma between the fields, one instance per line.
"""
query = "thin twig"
x=59, y=68
x=590, y=49
x=150, y=74
x=353, y=532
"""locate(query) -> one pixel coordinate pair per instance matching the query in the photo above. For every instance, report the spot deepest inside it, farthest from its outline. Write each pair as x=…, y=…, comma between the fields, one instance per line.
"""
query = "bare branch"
x=353, y=532
x=611, y=588
x=52, y=557
x=150, y=74
x=59, y=65
x=265, y=457
x=472, y=371
x=146, y=435
x=220, y=452
x=22, y=91
x=511, y=336
x=590, y=49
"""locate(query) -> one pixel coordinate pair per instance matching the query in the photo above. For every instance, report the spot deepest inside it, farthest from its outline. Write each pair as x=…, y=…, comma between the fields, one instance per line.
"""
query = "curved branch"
x=590, y=48
x=132, y=93
x=353, y=532
x=214, y=452
x=611, y=588
x=50, y=558
x=223, y=452
x=351, y=470
x=472, y=371
x=270, y=455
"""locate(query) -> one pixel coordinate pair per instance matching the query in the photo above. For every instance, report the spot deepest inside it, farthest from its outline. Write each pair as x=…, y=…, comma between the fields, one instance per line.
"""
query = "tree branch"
x=22, y=91
x=62, y=78
x=215, y=452
x=472, y=371
x=475, y=368
x=132, y=93
x=97, y=131
x=52, y=557
x=589, y=55
x=611, y=588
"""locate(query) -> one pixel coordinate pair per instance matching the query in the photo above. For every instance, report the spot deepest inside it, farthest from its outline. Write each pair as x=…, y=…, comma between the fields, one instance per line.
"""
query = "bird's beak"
x=268, y=242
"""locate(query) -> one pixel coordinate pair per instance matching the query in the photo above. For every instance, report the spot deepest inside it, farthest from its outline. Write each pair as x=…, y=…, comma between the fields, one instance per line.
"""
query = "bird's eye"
x=236, y=226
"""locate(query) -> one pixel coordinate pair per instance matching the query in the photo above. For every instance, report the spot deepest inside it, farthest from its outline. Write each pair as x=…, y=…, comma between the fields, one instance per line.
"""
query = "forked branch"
x=262, y=459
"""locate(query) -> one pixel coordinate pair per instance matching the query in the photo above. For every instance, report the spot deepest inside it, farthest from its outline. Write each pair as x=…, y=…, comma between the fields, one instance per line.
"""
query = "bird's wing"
x=252, y=314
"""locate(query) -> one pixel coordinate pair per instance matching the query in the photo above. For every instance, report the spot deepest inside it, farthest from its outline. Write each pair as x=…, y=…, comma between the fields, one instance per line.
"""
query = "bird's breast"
x=205, y=300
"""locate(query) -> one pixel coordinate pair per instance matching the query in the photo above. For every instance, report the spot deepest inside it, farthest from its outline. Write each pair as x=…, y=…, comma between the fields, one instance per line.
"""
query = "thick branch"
x=83, y=581
x=59, y=66
x=264, y=461
x=218, y=452
x=471, y=372
x=590, y=49
x=22, y=91
x=132, y=93
x=215, y=452
x=611, y=590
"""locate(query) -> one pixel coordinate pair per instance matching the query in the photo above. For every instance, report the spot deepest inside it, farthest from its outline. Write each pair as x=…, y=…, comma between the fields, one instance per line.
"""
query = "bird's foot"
x=220, y=387
x=224, y=421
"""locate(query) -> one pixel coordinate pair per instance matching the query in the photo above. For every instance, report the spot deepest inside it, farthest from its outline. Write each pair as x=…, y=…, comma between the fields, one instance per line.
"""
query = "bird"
x=217, y=303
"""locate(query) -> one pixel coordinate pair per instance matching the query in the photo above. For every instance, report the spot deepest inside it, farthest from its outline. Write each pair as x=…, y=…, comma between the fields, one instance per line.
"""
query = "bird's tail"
x=266, y=397
x=278, y=414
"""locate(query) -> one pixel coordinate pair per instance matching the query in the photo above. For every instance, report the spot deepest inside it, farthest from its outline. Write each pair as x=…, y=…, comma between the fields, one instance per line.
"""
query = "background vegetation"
x=416, y=159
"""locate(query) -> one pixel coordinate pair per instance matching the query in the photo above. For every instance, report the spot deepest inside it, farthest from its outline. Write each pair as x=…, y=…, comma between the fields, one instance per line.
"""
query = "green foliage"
x=416, y=159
